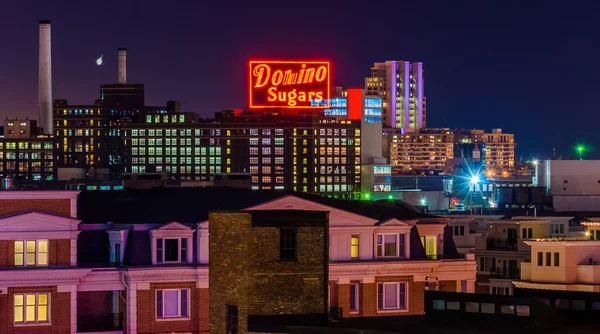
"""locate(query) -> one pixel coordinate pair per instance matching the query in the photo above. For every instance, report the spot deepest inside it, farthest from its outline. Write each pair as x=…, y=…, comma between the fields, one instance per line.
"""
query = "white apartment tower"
x=400, y=85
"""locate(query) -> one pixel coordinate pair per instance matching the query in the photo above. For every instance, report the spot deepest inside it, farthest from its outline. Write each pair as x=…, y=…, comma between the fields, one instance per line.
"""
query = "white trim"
x=36, y=253
x=39, y=194
x=24, y=323
x=178, y=316
x=397, y=255
x=356, y=287
x=398, y=299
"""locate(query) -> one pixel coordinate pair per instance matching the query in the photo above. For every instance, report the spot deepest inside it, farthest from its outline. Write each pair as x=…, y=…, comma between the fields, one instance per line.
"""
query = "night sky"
x=528, y=67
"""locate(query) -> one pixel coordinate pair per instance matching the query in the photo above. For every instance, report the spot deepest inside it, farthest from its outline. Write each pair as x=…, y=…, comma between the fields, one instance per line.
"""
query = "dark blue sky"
x=529, y=67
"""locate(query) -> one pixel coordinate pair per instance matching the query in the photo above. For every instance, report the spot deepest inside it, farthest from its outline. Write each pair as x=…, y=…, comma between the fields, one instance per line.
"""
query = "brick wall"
x=60, y=207
x=94, y=302
x=60, y=312
x=245, y=271
x=368, y=298
x=146, y=310
x=59, y=252
x=7, y=253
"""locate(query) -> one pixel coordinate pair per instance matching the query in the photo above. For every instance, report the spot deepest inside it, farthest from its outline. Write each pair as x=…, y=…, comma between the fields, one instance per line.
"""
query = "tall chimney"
x=122, y=65
x=45, y=77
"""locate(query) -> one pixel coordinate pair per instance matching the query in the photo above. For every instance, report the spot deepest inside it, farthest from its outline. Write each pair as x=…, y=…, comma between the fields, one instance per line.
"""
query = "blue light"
x=118, y=188
x=335, y=112
x=373, y=120
x=372, y=112
x=475, y=179
x=373, y=102
x=104, y=187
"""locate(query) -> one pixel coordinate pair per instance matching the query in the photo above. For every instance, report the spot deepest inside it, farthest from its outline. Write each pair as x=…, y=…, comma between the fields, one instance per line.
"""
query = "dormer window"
x=171, y=250
x=390, y=245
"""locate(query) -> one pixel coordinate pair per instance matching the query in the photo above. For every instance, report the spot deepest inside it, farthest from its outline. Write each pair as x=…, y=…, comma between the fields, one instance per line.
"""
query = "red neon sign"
x=289, y=84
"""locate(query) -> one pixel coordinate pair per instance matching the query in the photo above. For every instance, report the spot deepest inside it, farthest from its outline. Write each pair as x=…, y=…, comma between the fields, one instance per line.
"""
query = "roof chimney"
x=122, y=65
x=45, y=77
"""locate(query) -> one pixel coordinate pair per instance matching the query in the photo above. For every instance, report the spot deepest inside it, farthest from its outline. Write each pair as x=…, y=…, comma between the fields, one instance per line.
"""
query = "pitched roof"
x=192, y=205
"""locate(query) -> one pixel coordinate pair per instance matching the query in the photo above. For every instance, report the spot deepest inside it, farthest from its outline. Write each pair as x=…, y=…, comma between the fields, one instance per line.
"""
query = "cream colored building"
x=499, y=152
x=425, y=151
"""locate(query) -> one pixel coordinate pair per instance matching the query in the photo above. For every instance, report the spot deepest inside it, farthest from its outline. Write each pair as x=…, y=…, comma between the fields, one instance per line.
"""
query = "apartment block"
x=499, y=152
x=505, y=247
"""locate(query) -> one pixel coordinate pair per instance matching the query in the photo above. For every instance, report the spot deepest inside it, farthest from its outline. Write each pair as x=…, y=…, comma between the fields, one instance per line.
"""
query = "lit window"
x=31, y=308
x=391, y=296
x=354, y=247
x=172, y=303
x=31, y=253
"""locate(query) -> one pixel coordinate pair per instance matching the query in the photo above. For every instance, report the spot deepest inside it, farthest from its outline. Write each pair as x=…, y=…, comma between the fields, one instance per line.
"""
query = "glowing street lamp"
x=475, y=179
x=580, y=149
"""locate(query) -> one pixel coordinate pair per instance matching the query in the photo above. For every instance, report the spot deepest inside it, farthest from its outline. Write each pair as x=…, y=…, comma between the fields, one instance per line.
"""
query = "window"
x=172, y=303
x=453, y=306
x=232, y=319
x=31, y=308
x=488, y=308
x=31, y=253
x=171, y=250
x=527, y=233
x=507, y=309
x=548, y=259
x=390, y=245
x=472, y=307
x=354, y=247
x=523, y=310
x=439, y=304
x=391, y=296
x=540, y=261
x=287, y=244
x=354, y=297
x=556, y=259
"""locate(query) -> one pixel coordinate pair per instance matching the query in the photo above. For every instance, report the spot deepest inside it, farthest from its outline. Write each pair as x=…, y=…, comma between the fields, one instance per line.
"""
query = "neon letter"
x=310, y=74
x=321, y=73
x=258, y=72
x=311, y=95
x=301, y=73
x=289, y=78
x=319, y=96
x=302, y=96
x=272, y=94
x=277, y=78
x=292, y=98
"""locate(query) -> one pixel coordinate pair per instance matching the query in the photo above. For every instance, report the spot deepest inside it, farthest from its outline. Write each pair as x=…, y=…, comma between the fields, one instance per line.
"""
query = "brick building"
x=265, y=267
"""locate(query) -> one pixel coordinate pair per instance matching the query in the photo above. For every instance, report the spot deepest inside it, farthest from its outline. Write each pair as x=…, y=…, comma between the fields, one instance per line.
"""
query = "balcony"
x=505, y=273
x=502, y=244
x=104, y=322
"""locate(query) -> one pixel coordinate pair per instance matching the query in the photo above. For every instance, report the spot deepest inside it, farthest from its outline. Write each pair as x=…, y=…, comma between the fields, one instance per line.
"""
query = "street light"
x=580, y=149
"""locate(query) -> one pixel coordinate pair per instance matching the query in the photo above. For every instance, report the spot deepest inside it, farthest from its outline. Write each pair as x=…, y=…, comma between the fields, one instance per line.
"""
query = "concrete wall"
x=571, y=177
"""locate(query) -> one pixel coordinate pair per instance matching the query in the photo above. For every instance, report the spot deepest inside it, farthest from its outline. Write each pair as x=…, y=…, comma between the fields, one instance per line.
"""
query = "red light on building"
x=355, y=103
x=289, y=84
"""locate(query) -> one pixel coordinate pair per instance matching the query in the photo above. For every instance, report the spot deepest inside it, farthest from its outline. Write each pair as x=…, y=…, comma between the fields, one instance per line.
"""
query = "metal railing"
x=499, y=244
x=509, y=273
x=99, y=322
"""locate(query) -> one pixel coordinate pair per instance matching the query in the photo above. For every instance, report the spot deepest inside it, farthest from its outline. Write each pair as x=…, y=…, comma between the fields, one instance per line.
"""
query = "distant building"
x=422, y=152
x=499, y=152
x=504, y=250
x=25, y=153
x=401, y=86
x=573, y=185
x=267, y=267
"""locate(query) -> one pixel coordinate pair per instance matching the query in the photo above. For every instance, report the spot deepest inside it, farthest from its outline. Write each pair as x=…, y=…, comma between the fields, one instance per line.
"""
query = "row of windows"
x=480, y=307
x=540, y=259
x=175, y=160
x=179, y=169
x=25, y=145
x=213, y=151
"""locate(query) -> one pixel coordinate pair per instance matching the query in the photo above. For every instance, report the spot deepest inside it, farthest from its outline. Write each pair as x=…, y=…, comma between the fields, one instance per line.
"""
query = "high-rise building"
x=499, y=152
x=26, y=153
x=401, y=86
x=306, y=154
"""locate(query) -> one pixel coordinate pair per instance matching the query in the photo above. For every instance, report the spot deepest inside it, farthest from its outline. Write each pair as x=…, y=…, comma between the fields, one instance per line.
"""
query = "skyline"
x=467, y=70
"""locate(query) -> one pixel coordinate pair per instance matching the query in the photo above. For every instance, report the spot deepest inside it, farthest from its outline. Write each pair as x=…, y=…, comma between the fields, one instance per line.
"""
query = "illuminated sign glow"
x=289, y=84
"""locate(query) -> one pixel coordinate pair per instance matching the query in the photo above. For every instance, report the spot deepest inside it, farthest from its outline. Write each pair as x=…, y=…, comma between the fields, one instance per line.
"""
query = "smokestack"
x=45, y=77
x=122, y=65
